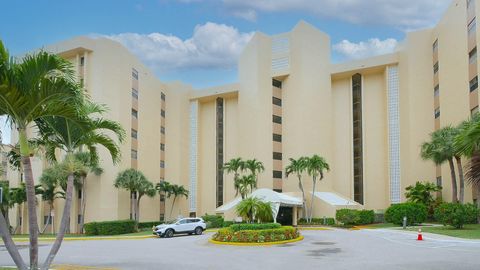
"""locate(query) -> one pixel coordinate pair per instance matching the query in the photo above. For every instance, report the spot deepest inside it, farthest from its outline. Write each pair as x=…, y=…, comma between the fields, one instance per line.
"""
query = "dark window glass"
x=134, y=73
x=276, y=101
x=474, y=84
x=436, y=90
x=134, y=134
x=162, y=164
x=277, y=83
x=277, y=156
x=277, y=119
x=134, y=154
x=472, y=56
x=162, y=130
x=82, y=61
x=79, y=219
x=472, y=26
x=277, y=190
x=162, y=146
x=162, y=113
x=46, y=219
x=435, y=45
x=357, y=138
x=474, y=110
x=277, y=174
x=135, y=113
x=80, y=191
x=162, y=217
x=162, y=197
x=277, y=138
x=134, y=93
x=163, y=96
x=439, y=181
x=219, y=151
x=435, y=68
x=437, y=113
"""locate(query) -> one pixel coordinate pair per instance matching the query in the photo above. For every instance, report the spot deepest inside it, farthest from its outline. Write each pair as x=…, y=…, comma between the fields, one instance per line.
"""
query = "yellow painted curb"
x=89, y=238
x=314, y=229
x=300, y=238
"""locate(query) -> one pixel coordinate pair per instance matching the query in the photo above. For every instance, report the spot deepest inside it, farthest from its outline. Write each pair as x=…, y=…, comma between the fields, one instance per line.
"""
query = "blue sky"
x=198, y=41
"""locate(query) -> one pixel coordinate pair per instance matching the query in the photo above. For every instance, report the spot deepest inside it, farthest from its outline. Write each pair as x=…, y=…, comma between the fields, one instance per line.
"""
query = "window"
x=277, y=174
x=219, y=139
x=472, y=56
x=277, y=156
x=162, y=197
x=435, y=68
x=277, y=137
x=162, y=113
x=162, y=217
x=134, y=154
x=163, y=96
x=134, y=113
x=472, y=26
x=82, y=61
x=162, y=130
x=437, y=113
x=134, y=93
x=474, y=111
x=277, y=83
x=474, y=84
x=277, y=190
x=277, y=119
x=435, y=45
x=80, y=192
x=357, y=138
x=436, y=90
x=135, y=74
x=79, y=219
x=162, y=164
x=134, y=134
x=439, y=181
x=162, y=146
x=47, y=219
x=276, y=101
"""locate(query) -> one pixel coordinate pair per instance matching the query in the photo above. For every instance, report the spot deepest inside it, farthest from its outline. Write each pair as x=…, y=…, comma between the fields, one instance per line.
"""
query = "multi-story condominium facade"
x=368, y=118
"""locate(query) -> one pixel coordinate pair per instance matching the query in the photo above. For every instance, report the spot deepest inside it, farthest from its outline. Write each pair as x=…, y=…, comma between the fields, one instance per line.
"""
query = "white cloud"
x=211, y=46
x=363, y=49
x=404, y=14
x=4, y=130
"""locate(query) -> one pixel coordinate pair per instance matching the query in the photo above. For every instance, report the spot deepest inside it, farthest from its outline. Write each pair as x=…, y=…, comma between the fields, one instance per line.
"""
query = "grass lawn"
x=470, y=231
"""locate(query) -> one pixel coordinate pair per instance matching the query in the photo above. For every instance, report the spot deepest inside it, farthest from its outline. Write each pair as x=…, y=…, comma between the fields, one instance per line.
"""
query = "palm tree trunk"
x=461, y=178
x=173, y=204
x=311, y=203
x=32, y=211
x=63, y=225
x=83, y=204
x=454, y=181
x=10, y=245
x=304, y=202
x=48, y=219
x=17, y=221
x=137, y=212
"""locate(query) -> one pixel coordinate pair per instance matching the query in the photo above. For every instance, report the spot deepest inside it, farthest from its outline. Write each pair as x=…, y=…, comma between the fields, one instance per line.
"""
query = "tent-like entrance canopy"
x=266, y=195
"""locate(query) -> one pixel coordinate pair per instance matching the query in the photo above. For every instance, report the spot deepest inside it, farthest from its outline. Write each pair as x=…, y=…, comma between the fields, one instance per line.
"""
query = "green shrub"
x=256, y=236
x=416, y=213
x=228, y=223
x=317, y=221
x=254, y=226
x=456, y=214
x=110, y=227
x=348, y=216
x=213, y=221
x=366, y=217
x=149, y=224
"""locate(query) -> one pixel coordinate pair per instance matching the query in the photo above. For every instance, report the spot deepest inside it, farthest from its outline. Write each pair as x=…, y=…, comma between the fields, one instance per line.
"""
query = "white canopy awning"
x=266, y=195
x=335, y=199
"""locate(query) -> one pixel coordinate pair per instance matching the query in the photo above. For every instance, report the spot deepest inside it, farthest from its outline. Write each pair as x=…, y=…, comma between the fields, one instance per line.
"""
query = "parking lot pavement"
x=332, y=249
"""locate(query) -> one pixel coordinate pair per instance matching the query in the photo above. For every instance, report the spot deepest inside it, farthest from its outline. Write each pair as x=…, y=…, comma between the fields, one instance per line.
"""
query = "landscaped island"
x=256, y=233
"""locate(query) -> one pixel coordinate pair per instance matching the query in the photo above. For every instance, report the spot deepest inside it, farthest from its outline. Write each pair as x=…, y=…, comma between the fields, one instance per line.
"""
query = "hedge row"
x=355, y=217
x=416, y=213
x=254, y=226
x=149, y=224
x=256, y=236
x=110, y=227
x=456, y=214
x=317, y=221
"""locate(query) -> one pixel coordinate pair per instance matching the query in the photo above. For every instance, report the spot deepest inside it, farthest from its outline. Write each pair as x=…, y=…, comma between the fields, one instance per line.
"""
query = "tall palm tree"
x=138, y=185
x=315, y=167
x=255, y=167
x=50, y=181
x=298, y=167
x=164, y=188
x=177, y=191
x=40, y=85
x=252, y=209
x=235, y=166
x=441, y=149
x=244, y=185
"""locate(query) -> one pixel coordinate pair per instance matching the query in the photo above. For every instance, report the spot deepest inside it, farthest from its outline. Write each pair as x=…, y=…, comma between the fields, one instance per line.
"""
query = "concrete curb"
x=300, y=238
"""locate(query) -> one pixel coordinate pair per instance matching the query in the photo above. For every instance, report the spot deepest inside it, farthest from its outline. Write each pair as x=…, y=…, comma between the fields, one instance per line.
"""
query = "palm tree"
x=255, y=167
x=164, y=188
x=235, y=166
x=176, y=191
x=315, y=167
x=70, y=136
x=440, y=149
x=298, y=167
x=50, y=180
x=252, y=209
x=244, y=185
x=40, y=85
x=138, y=185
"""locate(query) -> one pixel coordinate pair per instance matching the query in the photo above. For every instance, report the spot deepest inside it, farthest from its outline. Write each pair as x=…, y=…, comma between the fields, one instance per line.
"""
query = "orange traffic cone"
x=419, y=237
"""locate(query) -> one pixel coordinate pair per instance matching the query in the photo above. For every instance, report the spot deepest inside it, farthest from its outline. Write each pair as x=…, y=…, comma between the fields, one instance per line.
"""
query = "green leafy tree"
x=441, y=149
x=253, y=209
x=255, y=167
x=316, y=166
x=176, y=191
x=138, y=185
x=235, y=166
x=421, y=192
x=164, y=188
x=298, y=167
x=50, y=181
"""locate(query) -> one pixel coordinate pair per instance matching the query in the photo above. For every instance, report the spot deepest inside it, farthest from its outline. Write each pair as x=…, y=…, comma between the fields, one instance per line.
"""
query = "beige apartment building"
x=368, y=118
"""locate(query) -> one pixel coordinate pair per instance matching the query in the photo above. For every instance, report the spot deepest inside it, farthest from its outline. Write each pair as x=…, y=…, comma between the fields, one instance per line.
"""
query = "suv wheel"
x=169, y=233
x=198, y=230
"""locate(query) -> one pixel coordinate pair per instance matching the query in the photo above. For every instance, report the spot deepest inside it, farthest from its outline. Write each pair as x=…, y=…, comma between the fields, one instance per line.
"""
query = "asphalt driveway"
x=332, y=249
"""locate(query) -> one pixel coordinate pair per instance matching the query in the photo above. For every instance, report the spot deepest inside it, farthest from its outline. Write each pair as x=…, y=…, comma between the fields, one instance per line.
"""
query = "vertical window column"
x=163, y=106
x=357, y=138
x=219, y=150
x=135, y=114
x=436, y=95
x=277, y=156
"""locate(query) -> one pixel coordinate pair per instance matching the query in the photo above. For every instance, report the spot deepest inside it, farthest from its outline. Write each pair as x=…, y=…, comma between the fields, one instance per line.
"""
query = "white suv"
x=182, y=225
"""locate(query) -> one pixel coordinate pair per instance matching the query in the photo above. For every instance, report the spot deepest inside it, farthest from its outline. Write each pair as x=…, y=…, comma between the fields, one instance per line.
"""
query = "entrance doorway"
x=284, y=216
